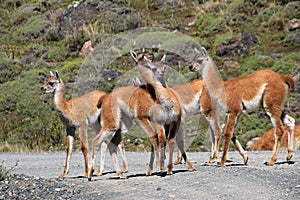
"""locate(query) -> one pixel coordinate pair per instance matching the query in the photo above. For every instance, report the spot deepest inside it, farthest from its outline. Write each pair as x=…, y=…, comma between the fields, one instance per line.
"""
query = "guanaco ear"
x=147, y=59
x=204, y=52
x=133, y=55
x=163, y=59
x=57, y=76
x=51, y=73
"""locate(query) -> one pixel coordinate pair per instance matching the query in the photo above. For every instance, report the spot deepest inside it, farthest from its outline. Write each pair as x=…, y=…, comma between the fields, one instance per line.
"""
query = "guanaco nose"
x=191, y=67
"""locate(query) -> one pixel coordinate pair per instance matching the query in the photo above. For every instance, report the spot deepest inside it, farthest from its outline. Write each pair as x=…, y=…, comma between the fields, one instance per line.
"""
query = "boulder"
x=238, y=47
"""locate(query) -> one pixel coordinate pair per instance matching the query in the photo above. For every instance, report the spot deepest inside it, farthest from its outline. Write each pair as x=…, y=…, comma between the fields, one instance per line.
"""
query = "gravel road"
x=37, y=177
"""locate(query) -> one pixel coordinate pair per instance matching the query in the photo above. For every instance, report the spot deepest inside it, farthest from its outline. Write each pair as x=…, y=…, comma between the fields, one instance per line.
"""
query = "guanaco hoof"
x=289, y=157
x=271, y=163
x=246, y=160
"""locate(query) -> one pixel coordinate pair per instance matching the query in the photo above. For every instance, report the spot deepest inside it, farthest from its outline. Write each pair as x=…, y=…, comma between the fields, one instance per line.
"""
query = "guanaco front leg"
x=162, y=140
x=70, y=141
x=84, y=147
x=146, y=125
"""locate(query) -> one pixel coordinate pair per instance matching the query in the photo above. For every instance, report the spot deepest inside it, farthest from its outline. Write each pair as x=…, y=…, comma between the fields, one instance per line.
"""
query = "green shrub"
x=17, y=18
x=4, y=172
x=222, y=39
x=269, y=17
x=8, y=70
x=28, y=116
x=209, y=23
x=57, y=54
x=257, y=62
x=31, y=29
x=287, y=64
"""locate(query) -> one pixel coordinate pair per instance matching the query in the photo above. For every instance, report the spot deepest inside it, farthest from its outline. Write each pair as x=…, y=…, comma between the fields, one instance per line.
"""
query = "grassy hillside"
x=37, y=36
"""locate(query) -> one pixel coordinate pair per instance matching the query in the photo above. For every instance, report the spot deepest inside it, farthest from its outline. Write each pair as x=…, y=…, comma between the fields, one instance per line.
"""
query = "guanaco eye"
x=200, y=61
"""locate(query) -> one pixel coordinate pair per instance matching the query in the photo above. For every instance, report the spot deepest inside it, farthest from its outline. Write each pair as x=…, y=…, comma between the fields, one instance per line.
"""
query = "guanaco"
x=79, y=113
x=243, y=95
x=168, y=111
x=119, y=109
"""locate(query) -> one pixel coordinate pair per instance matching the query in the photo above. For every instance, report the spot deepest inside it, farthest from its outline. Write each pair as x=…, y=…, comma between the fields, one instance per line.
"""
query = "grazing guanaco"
x=79, y=113
x=242, y=95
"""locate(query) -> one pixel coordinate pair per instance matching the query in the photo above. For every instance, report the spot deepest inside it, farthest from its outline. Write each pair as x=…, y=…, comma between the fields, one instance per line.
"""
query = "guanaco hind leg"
x=112, y=146
x=229, y=128
x=180, y=143
x=239, y=148
x=146, y=125
x=290, y=124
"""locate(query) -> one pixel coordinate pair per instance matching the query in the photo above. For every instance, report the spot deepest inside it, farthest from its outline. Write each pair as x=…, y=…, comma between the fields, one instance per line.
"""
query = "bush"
x=56, y=54
x=269, y=17
x=26, y=119
x=287, y=64
x=8, y=70
x=222, y=39
x=32, y=29
x=4, y=172
x=257, y=62
x=209, y=23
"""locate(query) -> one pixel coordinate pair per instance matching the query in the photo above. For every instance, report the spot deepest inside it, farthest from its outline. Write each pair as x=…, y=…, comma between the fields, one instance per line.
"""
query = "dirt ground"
x=37, y=176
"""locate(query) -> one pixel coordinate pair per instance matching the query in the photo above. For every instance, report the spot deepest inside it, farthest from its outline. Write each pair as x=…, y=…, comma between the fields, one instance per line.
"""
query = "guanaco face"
x=52, y=83
x=241, y=95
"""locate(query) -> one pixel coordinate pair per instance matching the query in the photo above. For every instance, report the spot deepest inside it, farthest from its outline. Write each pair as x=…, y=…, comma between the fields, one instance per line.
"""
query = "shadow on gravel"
x=227, y=165
x=290, y=162
x=161, y=174
x=104, y=173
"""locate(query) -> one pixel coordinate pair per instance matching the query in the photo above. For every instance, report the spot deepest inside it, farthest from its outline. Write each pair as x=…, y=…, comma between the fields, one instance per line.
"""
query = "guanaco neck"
x=148, y=76
x=60, y=101
x=214, y=84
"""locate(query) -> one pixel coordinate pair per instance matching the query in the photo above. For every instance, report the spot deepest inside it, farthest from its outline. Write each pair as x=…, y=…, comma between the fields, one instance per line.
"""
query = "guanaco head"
x=52, y=83
x=148, y=67
x=200, y=60
x=146, y=59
